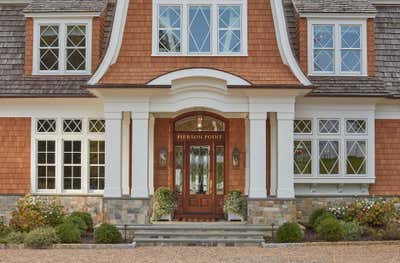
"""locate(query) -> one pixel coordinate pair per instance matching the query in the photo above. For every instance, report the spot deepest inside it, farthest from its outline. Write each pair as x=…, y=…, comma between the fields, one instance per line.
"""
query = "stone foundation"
x=127, y=211
x=268, y=211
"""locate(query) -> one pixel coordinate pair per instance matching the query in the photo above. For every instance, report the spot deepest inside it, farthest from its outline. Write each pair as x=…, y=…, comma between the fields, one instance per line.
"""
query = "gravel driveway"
x=309, y=254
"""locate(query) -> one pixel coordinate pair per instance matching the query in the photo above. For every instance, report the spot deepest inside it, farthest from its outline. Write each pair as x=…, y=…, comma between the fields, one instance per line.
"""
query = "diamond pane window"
x=169, y=29
x=97, y=161
x=356, y=126
x=72, y=165
x=46, y=165
x=328, y=157
x=49, y=48
x=229, y=29
x=72, y=125
x=329, y=126
x=356, y=157
x=97, y=126
x=199, y=29
x=46, y=125
x=351, y=48
x=76, y=47
x=303, y=126
x=323, y=40
x=302, y=157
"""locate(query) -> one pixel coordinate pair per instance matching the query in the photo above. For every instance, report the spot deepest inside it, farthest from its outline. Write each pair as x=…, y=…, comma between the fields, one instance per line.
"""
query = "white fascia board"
x=282, y=38
x=337, y=15
x=15, y=1
x=64, y=15
x=385, y=2
x=334, y=180
x=117, y=34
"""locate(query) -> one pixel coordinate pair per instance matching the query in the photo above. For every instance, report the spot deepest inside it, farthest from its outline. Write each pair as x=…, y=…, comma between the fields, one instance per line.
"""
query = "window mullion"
x=214, y=28
x=184, y=29
x=337, y=49
x=59, y=165
x=63, y=51
x=85, y=157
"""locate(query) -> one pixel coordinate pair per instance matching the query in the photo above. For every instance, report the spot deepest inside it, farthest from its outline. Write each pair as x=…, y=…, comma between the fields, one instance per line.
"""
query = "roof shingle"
x=47, y=6
x=333, y=6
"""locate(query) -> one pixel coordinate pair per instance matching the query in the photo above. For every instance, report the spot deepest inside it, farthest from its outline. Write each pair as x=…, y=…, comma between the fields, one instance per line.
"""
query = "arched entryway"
x=199, y=165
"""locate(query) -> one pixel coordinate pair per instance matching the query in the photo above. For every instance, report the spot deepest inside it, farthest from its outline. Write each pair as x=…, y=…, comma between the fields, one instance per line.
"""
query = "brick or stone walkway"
x=311, y=254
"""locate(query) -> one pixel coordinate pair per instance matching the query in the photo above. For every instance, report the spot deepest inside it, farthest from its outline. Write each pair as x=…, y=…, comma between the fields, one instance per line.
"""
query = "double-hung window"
x=337, y=47
x=62, y=46
x=207, y=27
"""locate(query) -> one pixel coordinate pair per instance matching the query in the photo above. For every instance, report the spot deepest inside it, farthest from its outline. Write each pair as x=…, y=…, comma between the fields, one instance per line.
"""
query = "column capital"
x=258, y=115
x=285, y=116
x=144, y=115
x=113, y=115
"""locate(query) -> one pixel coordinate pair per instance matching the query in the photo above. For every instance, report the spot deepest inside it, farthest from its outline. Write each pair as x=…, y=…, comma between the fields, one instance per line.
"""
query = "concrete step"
x=198, y=242
x=190, y=233
x=198, y=226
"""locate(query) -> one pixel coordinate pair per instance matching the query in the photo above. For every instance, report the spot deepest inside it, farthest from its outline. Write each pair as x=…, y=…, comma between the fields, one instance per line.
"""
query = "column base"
x=140, y=194
x=258, y=195
x=287, y=193
x=114, y=192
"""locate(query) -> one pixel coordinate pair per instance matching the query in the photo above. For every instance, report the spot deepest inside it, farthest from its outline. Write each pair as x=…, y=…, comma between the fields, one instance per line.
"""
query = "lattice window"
x=323, y=48
x=169, y=29
x=356, y=157
x=46, y=165
x=329, y=126
x=46, y=125
x=49, y=48
x=328, y=157
x=303, y=157
x=229, y=29
x=97, y=126
x=199, y=29
x=97, y=161
x=350, y=48
x=356, y=126
x=72, y=165
x=76, y=47
x=72, y=125
x=302, y=126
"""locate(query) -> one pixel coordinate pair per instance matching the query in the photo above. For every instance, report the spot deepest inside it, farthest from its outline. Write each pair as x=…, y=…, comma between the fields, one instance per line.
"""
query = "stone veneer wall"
x=127, y=211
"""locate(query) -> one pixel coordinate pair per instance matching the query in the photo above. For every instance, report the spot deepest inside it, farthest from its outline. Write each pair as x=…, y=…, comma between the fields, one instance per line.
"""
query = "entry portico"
x=268, y=115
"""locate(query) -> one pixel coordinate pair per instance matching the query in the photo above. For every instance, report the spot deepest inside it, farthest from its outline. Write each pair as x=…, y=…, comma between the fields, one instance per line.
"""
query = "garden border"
x=340, y=243
x=74, y=246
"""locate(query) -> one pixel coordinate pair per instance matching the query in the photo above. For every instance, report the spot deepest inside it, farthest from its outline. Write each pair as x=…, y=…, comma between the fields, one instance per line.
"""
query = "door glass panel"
x=178, y=169
x=199, y=169
x=220, y=160
x=200, y=123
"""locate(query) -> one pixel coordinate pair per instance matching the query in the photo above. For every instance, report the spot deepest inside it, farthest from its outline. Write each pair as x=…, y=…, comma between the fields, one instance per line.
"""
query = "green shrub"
x=42, y=237
x=78, y=221
x=392, y=231
x=374, y=233
x=53, y=214
x=321, y=218
x=28, y=214
x=86, y=217
x=15, y=237
x=164, y=203
x=289, y=233
x=4, y=229
x=68, y=232
x=235, y=203
x=330, y=229
x=315, y=214
x=107, y=234
x=352, y=230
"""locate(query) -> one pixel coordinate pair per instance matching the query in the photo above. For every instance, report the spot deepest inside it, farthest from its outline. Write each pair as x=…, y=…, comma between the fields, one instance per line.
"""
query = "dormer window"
x=208, y=27
x=62, y=46
x=337, y=47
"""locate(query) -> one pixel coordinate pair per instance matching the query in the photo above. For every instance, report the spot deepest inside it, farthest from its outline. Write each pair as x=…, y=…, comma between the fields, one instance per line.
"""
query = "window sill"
x=198, y=55
x=337, y=75
x=334, y=180
x=95, y=194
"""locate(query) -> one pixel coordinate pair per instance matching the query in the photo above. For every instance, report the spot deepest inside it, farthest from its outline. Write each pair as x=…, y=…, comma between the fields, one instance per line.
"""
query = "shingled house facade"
x=293, y=102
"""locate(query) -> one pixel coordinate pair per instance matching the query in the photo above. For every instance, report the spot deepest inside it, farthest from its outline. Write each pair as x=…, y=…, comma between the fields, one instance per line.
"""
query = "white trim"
x=385, y=2
x=337, y=23
x=62, y=23
x=282, y=38
x=168, y=78
x=64, y=15
x=117, y=34
x=15, y=1
x=337, y=15
x=214, y=5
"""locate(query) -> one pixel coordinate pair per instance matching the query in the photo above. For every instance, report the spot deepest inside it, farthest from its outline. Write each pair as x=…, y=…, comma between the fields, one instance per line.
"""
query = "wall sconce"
x=236, y=158
x=163, y=158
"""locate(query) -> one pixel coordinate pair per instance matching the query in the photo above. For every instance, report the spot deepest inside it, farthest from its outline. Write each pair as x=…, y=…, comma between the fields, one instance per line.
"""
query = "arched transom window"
x=199, y=123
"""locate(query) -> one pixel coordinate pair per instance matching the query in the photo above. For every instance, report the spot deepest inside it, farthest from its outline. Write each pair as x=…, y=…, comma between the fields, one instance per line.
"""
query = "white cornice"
x=63, y=15
x=114, y=46
x=282, y=38
x=15, y=1
x=385, y=2
x=338, y=15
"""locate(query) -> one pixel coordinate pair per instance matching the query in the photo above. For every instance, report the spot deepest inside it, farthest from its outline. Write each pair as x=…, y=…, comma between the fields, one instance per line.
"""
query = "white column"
x=273, y=153
x=140, y=153
x=126, y=121
x=285, y=184
x=258, y=155
x=151, y=155
x=113, y=155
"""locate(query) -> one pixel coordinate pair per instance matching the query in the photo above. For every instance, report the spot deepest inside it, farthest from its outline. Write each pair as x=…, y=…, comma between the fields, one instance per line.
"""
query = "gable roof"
x=60, y=6
x=333, y=6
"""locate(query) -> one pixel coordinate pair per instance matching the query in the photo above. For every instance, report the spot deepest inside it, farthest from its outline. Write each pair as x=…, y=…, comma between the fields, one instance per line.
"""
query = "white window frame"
x=62, y=43
x=337, y=23
x=214, y=4
x=59, y=137
x=342, y=137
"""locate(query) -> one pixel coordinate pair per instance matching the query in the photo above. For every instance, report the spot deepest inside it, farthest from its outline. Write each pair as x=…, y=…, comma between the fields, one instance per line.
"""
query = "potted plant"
x=164, y=205
x=235, y=206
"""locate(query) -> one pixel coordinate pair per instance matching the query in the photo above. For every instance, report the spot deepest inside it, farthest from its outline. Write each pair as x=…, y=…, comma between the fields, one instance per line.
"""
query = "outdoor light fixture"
x=236, y=158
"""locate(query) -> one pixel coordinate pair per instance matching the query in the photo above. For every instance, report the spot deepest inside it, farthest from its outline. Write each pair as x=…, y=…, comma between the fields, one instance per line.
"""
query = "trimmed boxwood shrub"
x=315, y=214
x=330, y=229
x=107, y=234
x=352, y=230
x=86, y=217
x=78, y=221
x=68, y=233
x=289, y=233
x=42, y=237
x=322, y=217
x=15, y=238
